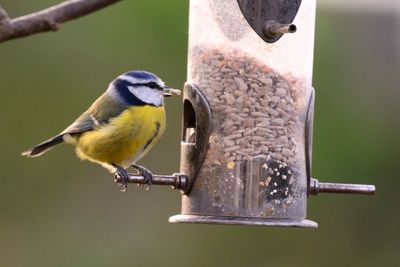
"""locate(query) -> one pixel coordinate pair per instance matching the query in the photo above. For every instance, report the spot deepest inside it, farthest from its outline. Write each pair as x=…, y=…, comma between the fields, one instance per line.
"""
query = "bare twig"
x=48, y=19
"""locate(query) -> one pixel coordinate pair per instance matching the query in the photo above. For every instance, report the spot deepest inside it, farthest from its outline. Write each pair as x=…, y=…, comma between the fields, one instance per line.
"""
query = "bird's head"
x=140, y=88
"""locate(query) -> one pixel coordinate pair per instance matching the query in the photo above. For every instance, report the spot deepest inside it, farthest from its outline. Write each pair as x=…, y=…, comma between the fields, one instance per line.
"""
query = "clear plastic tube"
x=259, y=95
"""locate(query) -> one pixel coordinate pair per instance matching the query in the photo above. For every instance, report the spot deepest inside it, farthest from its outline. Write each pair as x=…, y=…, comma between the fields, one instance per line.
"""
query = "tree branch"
x=48, y=19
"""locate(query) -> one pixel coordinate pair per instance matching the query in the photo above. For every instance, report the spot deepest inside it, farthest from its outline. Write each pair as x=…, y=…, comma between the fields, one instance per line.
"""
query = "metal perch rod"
x=176, y=180
x=361, y=189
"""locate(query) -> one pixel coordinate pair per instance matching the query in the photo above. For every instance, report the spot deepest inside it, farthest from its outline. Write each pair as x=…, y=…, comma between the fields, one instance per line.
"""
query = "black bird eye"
x=152, y=85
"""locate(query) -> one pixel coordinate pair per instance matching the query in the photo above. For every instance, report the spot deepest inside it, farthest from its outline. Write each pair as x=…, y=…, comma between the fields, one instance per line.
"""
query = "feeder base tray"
x=231, y=220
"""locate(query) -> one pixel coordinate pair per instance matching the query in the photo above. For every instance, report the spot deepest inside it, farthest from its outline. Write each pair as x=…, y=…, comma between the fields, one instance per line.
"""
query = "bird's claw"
x=121, y=176
x=147, y=175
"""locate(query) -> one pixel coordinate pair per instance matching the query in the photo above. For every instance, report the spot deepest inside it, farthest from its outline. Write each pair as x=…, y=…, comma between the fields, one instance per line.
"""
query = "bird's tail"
x=43, y=147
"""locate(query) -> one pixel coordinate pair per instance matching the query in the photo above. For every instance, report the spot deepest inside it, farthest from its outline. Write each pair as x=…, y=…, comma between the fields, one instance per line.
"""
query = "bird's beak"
x=171, y=92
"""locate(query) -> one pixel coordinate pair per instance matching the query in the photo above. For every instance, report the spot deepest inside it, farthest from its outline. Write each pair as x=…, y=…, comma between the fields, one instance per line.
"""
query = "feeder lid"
x=259, y=13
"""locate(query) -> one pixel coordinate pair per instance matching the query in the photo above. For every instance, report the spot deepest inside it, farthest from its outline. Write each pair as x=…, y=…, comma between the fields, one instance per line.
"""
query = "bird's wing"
x=99, y=114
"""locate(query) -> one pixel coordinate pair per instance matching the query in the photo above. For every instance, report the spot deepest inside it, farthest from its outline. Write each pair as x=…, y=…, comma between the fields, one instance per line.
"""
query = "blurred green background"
x=58, y=211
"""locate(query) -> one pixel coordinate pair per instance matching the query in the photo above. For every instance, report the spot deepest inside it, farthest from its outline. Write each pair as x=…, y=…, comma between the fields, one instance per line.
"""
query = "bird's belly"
x=126, y=138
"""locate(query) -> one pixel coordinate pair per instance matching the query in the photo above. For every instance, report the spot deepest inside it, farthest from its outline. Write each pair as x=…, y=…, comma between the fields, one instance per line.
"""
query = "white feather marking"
x=95, y=121
x=147, y=95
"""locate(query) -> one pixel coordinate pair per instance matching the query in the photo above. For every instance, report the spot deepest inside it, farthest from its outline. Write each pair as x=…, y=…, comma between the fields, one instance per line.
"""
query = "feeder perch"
x=248, y=108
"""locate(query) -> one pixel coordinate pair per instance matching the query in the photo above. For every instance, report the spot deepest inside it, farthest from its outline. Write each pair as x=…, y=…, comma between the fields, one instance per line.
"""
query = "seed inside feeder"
x=251, y=104
x=255, y=120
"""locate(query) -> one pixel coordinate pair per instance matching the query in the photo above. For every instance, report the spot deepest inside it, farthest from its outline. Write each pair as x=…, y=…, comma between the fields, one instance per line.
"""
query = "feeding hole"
x=189, y=123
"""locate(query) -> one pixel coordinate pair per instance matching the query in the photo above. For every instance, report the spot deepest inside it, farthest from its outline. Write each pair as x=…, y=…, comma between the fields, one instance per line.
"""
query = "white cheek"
x=150, y=96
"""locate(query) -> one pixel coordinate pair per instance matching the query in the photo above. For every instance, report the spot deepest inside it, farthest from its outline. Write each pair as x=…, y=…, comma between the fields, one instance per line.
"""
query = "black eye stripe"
x=150, y=84
x=153, y=85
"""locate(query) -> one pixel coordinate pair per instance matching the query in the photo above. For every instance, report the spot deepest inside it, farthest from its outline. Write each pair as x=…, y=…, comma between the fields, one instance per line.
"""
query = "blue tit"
x=120, y=127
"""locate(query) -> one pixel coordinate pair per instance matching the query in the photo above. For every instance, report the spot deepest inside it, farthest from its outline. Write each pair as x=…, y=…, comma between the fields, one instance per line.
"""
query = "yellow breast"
x=125, y=138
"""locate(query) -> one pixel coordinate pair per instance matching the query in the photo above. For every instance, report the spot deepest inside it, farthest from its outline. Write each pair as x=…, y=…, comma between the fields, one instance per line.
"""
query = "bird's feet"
x=121, y=176
x=147, y=175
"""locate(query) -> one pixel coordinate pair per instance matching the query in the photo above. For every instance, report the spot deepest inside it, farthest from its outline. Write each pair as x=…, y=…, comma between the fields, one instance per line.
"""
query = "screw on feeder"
x=272, y=29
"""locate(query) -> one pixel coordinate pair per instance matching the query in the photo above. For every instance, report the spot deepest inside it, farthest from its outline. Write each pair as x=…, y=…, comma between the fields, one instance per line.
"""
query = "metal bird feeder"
x=248, y=113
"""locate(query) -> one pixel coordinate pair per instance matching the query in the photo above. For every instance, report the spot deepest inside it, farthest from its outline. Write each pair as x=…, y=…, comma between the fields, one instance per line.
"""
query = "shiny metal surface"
x=176, y=180
x=231, y=220
x=317, y=187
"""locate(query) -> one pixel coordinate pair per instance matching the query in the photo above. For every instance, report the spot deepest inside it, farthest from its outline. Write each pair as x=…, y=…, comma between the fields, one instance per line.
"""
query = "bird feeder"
x=248, y=108
x=248, y=114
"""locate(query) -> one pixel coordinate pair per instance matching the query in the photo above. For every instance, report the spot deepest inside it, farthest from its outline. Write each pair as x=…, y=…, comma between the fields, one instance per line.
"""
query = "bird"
x=120, y=127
